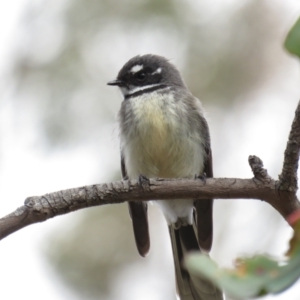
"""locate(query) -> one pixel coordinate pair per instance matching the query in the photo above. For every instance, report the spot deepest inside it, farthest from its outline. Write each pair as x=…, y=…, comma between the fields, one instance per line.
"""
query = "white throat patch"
x=141, y=88
x=127, y=92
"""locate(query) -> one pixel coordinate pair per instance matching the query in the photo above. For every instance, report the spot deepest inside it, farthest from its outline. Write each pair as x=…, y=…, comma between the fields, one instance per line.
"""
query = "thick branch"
x=280, y=194
x=288, y=177
x=41, y=208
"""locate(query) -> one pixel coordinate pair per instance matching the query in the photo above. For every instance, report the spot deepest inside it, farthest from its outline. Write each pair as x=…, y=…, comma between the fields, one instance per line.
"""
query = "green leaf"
x=292, y=42
x=255, y=276
x=252, y=277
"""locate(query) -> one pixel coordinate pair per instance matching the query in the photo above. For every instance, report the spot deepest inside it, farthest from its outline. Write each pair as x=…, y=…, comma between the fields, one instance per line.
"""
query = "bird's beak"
x=117, y=82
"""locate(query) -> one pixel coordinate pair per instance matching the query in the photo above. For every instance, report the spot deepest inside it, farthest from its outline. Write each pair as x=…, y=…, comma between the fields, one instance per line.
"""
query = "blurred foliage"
x=69, y=55
x=227, y=61
x=91, y=256
x=292, y=42
x=252, y=277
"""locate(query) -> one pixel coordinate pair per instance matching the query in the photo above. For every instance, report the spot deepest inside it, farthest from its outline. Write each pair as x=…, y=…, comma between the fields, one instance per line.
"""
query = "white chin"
x=124, y=91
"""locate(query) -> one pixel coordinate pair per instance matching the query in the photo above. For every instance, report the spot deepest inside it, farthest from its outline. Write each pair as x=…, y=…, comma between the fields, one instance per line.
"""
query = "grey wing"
x=204, y=207
x=139, y=217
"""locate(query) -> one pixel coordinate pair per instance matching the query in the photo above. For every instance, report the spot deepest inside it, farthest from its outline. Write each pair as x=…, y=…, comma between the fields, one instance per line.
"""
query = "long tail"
x=188, y=287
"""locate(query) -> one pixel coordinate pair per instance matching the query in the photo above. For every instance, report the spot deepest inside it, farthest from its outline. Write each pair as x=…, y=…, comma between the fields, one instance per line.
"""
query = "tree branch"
x=281, y=194
x=288, y=180
x=41, y=208
x=259, y=172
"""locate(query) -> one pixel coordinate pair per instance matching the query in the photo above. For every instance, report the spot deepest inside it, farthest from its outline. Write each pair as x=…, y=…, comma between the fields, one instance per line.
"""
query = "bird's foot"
x=144, y=182
x=202, y=177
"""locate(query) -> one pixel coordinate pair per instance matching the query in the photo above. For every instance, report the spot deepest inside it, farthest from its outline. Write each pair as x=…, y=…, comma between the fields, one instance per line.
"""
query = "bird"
x=164, y=133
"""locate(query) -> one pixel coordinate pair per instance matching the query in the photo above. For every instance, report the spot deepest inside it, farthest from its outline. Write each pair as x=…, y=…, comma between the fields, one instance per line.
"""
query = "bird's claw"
x=143, y=181
x=202, y=177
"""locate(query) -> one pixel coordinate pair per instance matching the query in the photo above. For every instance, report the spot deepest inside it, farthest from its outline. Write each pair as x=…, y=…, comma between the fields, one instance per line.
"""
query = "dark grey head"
x=147, y=73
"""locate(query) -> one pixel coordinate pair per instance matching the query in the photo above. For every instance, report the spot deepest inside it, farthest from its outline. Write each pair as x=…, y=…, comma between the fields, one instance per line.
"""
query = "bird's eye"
x=140, y=76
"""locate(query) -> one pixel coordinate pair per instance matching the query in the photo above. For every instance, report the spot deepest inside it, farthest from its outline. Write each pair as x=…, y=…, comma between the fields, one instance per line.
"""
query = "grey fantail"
x=164, y=133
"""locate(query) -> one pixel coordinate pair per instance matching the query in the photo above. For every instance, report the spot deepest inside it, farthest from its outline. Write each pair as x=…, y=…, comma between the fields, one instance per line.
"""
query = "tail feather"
x=189, y=287
x=204, y=221
x=138, y=213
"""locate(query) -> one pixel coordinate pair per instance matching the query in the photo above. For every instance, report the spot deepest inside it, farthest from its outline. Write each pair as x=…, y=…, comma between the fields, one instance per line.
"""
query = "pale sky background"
x=261, y=125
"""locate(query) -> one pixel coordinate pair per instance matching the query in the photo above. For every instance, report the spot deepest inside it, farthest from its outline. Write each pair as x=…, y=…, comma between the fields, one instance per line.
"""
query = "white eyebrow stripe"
x=136, y=68
x=158, y=71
